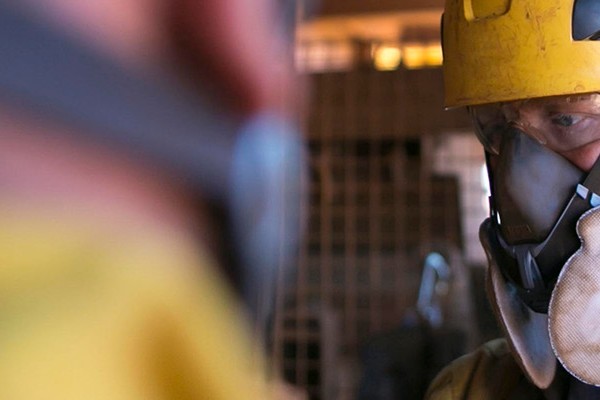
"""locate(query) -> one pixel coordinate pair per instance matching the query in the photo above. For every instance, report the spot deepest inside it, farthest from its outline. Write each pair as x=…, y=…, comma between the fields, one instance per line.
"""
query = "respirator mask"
x=542, y=239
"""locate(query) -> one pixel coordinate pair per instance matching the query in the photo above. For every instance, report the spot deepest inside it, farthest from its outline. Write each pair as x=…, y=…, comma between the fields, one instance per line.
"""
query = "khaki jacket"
x=489, y=373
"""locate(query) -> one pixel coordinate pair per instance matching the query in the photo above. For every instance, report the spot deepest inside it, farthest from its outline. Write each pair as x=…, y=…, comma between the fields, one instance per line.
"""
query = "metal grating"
x=376, y=208
x=460, y=154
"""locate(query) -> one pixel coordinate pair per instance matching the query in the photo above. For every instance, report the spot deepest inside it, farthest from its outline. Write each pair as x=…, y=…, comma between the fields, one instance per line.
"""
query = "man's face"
x=567, y=125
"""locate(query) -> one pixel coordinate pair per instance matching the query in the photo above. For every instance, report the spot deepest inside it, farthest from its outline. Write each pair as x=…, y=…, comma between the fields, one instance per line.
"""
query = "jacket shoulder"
x=489, y=372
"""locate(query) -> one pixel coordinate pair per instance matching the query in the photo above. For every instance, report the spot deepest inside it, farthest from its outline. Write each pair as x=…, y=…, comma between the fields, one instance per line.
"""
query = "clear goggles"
x=562, y=123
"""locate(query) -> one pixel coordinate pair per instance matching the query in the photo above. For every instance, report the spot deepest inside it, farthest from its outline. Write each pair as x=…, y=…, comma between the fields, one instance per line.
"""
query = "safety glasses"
x=561, y=124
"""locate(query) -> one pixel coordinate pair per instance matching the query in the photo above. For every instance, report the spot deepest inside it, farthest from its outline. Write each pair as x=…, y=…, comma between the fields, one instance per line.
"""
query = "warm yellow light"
x=433, y=55
x=413, y=56
x=421, y=56
x=387, y=58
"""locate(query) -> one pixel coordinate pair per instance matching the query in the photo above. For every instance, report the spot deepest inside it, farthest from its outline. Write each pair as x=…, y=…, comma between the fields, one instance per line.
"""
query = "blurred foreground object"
x=134, y=199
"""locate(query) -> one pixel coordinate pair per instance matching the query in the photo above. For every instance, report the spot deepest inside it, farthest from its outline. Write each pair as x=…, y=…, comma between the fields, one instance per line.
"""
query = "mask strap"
x=560, y=241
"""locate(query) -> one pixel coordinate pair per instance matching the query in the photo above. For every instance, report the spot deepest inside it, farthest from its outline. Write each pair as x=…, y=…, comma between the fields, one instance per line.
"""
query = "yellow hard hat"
x=503, y=50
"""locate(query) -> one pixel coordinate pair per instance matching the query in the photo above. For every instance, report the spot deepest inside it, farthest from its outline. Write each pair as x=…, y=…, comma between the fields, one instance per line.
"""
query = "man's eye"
x=566, y=120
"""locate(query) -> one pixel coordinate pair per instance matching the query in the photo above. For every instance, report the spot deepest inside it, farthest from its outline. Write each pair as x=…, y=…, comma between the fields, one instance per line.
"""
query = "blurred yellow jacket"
x=91, y=312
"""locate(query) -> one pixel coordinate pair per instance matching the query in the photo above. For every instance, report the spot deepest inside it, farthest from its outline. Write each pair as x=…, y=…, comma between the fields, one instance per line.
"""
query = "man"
x=527, y=71
x=145, y=165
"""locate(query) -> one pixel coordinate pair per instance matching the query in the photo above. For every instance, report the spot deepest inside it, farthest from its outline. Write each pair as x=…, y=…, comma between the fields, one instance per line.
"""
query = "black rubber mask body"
x=532, y=186
x=537, y=198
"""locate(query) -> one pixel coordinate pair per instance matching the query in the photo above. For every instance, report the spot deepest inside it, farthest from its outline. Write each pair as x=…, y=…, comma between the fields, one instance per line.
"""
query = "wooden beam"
x=344, y=7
